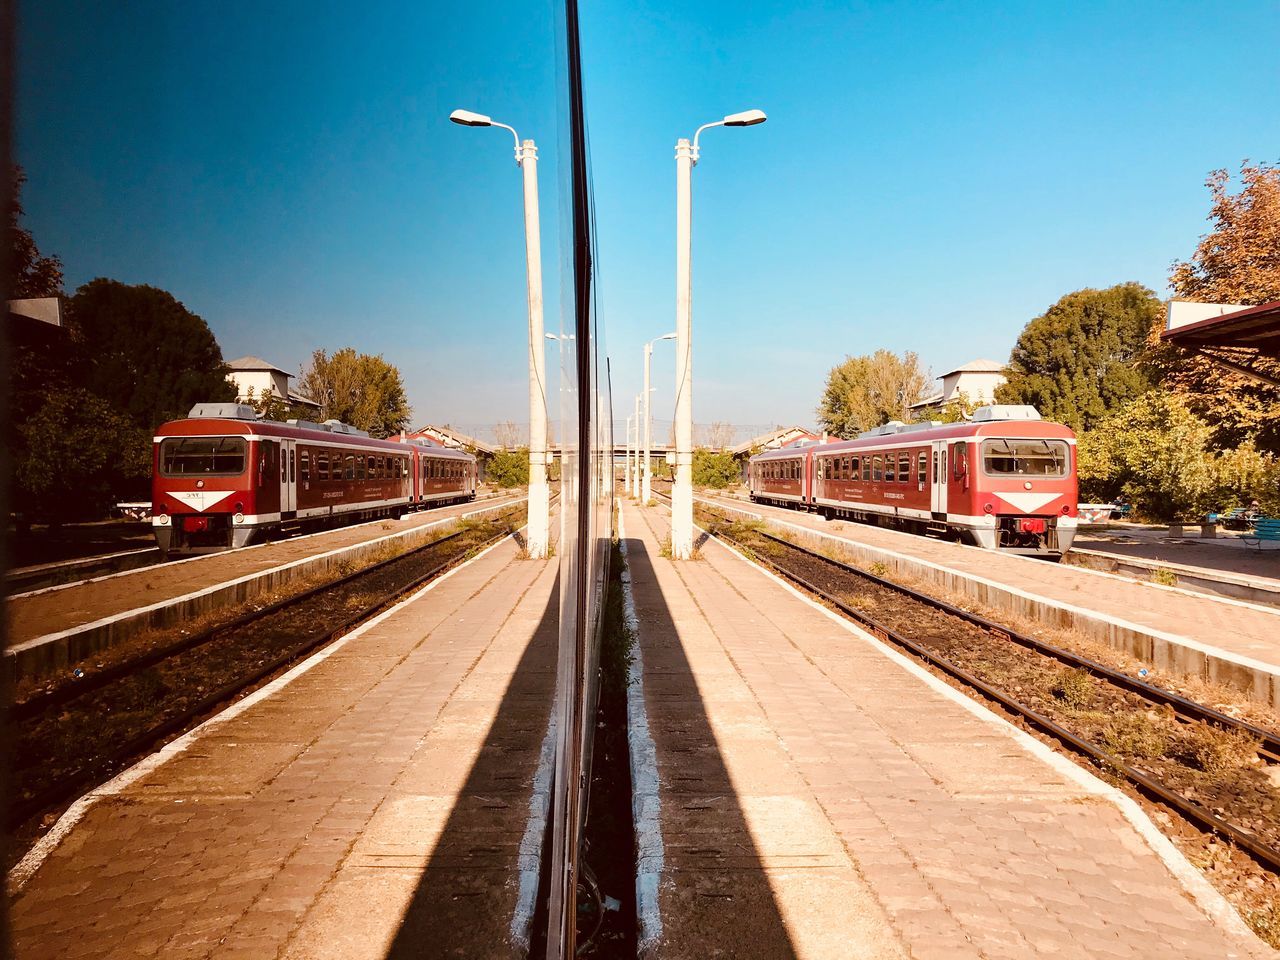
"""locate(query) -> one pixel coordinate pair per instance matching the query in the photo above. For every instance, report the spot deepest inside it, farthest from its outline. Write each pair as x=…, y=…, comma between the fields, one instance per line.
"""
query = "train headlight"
x=238, y=518
x=162, y=519
x=988, y=508
x=1066, y=508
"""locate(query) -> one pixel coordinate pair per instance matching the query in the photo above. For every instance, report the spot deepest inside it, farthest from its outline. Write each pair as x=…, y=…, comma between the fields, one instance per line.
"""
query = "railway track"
x=864, y=597
x=73, y=736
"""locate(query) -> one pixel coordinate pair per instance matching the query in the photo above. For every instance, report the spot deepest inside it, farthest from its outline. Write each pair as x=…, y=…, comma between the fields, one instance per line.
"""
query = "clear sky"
x=932, y=175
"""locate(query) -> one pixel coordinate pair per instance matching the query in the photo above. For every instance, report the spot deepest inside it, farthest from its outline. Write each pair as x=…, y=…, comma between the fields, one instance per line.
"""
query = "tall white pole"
x=648, y=426
x=626, y=479
x=682, y=491
x=635, y=474
x=539, y=494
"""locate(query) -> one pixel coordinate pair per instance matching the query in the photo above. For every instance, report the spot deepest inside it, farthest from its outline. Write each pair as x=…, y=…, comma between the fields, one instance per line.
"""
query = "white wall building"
x=255, y=378
x=975, y=382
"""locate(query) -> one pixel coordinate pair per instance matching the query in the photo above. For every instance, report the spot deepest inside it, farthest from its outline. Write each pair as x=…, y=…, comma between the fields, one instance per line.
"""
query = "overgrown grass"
x=1166, y=578
x=1074, y=688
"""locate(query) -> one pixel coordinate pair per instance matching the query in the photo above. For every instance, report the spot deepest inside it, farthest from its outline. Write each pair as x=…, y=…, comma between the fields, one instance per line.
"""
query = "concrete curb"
x=1216, y=584
x=45, y=654
x=1166, y=651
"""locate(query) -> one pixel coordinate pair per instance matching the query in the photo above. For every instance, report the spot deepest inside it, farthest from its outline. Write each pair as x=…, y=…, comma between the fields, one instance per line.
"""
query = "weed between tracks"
x=1219, y=769
x=56, y=744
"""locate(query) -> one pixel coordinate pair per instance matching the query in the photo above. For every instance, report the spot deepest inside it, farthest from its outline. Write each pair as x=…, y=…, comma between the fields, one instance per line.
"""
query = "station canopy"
x=1239, y=338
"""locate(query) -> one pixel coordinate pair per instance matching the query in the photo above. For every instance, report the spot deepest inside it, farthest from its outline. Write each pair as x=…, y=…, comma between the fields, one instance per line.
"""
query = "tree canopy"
x=1077, y=362
x=1238, y=261
x=865, y=391
x=33, y=274
x=715, y=468
x=357, y=388
x=147, y=354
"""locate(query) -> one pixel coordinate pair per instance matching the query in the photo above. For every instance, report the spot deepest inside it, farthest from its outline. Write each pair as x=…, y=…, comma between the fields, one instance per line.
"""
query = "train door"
x=938, y=488
x=288, y=477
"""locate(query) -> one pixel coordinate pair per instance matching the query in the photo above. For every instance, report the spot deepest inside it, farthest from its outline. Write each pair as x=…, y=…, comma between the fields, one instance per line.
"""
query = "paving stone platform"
x=818, y=797
x=375, y=806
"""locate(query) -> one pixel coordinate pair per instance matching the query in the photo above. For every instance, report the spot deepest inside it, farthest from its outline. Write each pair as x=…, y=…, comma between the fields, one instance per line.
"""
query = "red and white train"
x=1004, y=480
x=223, y=478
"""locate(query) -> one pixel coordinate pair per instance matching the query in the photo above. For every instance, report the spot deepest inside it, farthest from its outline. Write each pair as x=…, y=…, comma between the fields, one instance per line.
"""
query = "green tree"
x=148, y=355
x=33, y=275
x=1078, y=361
x=715, y=468
x=1238, y=261
x=357, y=388
x=509, y=468
x=76, y=455
x=866, y=391
x=1153, y=450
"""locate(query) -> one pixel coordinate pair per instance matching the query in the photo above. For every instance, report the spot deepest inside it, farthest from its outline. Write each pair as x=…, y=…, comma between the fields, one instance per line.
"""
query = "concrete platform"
x=1229, y=641
x=52, y=627
x=384, y=799
x=820, y=796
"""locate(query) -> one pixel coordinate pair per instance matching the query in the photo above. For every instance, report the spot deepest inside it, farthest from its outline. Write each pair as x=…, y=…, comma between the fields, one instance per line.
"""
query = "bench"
x=1264, y=528
x=1237, y=518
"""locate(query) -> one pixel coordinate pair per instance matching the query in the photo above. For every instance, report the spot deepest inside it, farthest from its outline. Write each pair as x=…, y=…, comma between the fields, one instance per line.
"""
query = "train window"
x=305, y=467
x=904, y=468
x=293, y=466
x=820, y=469
x=853, y=467
x=361, y=467
x=322, y=466
x=866, y=469
x=186, y=456
x=890, y=472
x=1032, y=458
x=922, y=470
x=349, y=472
x=877, y=468
x=284, y=467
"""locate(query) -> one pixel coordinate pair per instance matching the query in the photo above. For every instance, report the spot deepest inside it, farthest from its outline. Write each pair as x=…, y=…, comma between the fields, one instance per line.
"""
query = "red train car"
x=1004, y=480
x=223, y=478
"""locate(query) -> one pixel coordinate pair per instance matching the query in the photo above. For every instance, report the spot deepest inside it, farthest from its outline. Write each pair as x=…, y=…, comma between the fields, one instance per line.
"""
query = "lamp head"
x=748, y=118
x=469, y=119
x=667, y=336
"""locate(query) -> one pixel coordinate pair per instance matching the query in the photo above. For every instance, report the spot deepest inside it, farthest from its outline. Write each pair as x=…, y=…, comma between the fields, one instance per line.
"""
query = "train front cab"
x=214, y=492
x=1013, y=494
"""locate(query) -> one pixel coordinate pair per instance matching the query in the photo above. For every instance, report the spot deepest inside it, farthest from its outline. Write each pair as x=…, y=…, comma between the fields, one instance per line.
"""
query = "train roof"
x=237, y=419
x=902, y=435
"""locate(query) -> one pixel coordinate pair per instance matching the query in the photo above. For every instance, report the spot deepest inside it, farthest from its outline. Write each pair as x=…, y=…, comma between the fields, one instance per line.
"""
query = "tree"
x=357, y=388
x=1078, y=361
x=507, y=434
x=509, y=468
x=720, y=435
x=714, y=468
x=148, y=355
x=866, y=391
x=76, y=454
x=1238, y=261
x=274, y=407
x=33, y=275
x=1153, y=450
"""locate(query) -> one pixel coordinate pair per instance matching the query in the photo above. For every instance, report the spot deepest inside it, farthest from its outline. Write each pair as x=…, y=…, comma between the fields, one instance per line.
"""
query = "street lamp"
x=539, y=495
x=626, y=476
x=648, y=416
x=682, y=492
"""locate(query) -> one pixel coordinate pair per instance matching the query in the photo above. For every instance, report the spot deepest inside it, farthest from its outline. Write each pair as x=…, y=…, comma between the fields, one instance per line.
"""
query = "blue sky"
x=932, y=175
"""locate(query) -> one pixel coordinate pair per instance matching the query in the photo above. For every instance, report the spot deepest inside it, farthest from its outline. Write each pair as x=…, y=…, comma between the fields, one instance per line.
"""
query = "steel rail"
x=22, y=811
x=1264, y=853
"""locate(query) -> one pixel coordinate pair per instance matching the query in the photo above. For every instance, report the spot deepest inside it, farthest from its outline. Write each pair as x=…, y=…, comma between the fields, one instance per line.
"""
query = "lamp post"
x=539, y=495
x=648, y=417
x=682, y=492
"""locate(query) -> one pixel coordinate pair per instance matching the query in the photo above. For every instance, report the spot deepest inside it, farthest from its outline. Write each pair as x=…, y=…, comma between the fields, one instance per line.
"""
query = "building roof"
x=254, y=364
x=1234, y=339
x=977, y=366
x=452, y=436
x=300, y=400
x=779, y=437
x=933, y=400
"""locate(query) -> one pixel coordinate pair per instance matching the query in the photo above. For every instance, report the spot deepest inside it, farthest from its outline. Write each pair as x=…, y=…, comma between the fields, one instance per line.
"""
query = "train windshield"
x=1025, y=458
x=202, y=456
